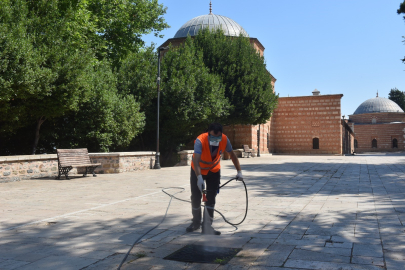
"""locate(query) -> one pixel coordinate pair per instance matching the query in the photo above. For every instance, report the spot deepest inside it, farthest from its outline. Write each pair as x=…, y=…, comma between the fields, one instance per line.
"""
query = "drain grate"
x=203, y=254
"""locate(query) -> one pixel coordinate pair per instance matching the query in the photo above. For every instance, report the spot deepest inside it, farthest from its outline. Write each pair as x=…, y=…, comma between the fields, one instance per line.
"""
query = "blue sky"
x=349, y=47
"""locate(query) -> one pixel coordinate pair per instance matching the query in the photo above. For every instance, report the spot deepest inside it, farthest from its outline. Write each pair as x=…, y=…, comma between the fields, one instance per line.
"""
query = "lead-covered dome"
x=211, y=21
x=378, y=105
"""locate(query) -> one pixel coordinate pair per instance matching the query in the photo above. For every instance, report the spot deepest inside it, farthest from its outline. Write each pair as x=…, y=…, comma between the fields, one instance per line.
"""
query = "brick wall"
x=240, y=135
x=367, y=118
x=347, y=138
x=297, y=120
x=383, y=133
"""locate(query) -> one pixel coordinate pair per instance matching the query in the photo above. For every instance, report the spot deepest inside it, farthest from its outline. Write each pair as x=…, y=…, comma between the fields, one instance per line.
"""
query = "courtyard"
x=305, y=212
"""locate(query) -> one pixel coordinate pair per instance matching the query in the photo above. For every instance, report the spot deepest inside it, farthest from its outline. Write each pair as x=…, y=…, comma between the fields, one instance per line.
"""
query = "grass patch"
x=140, y=255
x=220, y=261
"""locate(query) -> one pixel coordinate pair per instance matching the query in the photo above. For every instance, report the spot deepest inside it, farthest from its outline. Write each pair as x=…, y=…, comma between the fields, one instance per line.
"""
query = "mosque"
x=309, y=124
x=379, y=125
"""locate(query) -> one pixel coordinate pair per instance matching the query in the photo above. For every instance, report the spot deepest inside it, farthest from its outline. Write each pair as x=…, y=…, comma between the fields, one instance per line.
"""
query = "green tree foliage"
x=44, y=73
x=107, y=121
x=49, y=60
x=192, y=97
x=119, y=25
x=398, y=97
x=137, y=76
x=210, y=78
x=401, y=10
x=243, y=72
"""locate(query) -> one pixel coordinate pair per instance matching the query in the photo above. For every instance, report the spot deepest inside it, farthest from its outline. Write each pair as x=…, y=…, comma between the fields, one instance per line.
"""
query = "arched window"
x=374, y=121
x=315, y=143
x=374, y=143
x=355, y=143
x=394, y=143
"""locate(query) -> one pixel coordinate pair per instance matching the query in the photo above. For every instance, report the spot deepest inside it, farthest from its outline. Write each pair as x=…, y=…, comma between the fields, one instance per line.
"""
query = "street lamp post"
x=157, y=157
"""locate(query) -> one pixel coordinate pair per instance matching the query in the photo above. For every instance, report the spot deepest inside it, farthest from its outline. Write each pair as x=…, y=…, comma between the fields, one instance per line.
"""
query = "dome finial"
x=377, y=93
x=210, y=7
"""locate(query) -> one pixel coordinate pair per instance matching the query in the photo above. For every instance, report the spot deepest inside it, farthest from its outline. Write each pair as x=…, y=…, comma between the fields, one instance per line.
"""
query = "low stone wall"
x=186, y=156
x=16, y=168
x=123, y=161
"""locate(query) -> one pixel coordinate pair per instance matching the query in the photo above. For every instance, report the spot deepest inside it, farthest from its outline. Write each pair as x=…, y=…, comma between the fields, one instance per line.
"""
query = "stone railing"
x=16, y=168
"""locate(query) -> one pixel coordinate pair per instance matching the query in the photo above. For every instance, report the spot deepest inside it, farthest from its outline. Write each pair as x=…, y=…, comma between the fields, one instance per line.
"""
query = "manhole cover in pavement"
x=203, y=254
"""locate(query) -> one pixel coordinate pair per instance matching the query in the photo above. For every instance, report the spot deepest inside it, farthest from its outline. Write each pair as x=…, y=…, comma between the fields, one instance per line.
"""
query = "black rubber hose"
x=171, y=197
x=137, y=240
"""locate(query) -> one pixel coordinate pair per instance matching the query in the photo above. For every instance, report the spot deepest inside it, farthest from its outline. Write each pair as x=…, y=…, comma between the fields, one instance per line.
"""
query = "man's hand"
x=239, y=176
x=200, y=183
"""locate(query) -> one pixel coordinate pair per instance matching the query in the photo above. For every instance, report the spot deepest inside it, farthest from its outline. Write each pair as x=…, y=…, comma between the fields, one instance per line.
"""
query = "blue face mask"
x=215, y=140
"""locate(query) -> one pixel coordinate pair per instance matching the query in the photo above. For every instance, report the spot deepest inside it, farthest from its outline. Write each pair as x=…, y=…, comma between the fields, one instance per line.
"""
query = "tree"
x=44, y=67
x=398, y=97
x=243, y=71
x=120, y=25
x=399, y=11
x=137, y=76
x=50, y=50
x=107, y=121
x=192, y=97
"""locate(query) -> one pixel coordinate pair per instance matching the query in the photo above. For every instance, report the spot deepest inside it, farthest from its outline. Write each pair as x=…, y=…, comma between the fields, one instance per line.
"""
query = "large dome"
x=211, y=21
x=378, y=105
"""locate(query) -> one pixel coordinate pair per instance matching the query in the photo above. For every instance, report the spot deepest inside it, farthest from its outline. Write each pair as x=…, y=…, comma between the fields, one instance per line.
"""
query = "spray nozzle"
x=204, y=197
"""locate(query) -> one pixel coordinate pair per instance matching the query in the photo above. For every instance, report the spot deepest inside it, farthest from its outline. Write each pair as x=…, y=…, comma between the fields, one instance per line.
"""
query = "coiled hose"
x=172, y=196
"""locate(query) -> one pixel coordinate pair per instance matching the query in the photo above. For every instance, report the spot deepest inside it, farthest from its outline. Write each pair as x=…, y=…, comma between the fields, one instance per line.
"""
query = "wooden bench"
x=246, y=151
x=74, y=158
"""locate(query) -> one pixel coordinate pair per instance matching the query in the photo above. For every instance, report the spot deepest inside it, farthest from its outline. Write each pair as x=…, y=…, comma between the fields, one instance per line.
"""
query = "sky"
x=349, y=47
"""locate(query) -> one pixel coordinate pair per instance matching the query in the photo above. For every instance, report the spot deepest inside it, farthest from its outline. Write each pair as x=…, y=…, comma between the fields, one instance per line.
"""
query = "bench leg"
x=85, y=174
x=65, y=171
x=91, y=170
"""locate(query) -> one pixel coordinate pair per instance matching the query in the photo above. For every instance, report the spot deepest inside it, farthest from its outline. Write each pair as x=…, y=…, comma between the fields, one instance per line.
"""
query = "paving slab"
x=305, y=212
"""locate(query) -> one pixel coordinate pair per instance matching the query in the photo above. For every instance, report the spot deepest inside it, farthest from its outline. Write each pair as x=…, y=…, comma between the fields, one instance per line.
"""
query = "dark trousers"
x=212, y=182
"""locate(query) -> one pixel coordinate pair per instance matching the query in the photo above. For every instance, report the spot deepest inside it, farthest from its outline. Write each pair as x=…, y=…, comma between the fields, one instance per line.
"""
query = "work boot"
x=193, y=227
x=209, y=230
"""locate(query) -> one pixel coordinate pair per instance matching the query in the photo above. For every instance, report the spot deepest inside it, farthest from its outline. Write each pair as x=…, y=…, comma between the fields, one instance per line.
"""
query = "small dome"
x=378, y=105
x=211, y=21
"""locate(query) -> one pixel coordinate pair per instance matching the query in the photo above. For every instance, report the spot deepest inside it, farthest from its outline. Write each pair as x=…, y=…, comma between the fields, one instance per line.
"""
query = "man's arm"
x=235, y=161
x=196, y=161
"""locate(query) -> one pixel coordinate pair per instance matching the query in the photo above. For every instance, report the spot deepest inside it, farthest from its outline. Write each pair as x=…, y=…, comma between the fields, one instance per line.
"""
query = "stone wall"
x=186, y=157
x=16, y=168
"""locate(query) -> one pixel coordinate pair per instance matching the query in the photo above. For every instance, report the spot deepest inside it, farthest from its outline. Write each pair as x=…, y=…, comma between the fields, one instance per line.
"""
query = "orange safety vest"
x=207, y=163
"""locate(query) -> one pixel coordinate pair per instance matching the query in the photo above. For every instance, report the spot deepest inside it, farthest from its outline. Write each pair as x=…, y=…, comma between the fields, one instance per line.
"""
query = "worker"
x=206, y=165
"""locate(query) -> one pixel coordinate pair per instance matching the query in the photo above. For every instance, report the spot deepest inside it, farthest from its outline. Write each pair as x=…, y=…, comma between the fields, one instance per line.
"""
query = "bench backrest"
x=246, y=148
x=73, y=157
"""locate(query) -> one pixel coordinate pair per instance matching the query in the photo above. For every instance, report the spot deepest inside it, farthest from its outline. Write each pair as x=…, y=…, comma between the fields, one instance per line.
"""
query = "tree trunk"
x=40, y=121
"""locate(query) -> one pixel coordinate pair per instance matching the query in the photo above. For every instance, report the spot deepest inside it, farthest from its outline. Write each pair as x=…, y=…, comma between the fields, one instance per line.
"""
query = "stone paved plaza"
x=305, y=212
